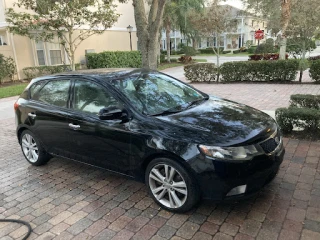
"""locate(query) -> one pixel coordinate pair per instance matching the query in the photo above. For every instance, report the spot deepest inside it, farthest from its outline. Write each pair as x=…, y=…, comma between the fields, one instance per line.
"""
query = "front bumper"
x=222, y=176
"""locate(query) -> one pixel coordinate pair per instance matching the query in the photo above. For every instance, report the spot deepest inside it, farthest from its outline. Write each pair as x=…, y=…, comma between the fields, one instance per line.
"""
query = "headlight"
x=231, y=153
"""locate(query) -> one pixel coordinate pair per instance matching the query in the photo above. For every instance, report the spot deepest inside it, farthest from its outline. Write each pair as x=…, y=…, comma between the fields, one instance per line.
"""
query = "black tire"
x=192, y=196
x=43, y=156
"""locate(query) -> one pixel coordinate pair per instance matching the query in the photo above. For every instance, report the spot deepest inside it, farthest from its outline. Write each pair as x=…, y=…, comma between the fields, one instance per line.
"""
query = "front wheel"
x=171, y=185
x=32, y=150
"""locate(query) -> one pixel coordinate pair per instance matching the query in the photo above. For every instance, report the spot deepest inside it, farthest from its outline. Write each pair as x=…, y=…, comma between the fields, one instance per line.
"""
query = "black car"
x=184, y=144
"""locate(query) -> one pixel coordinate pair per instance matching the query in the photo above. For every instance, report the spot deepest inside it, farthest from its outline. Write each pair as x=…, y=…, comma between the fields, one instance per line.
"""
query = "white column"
x=14, y=54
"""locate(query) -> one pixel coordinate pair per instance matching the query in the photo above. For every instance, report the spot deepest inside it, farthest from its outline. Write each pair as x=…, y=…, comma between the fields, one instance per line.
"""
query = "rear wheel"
x=171, y=185
x=32, y=149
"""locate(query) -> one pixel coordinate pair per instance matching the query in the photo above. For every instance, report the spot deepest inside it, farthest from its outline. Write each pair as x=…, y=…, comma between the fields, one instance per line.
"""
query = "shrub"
x=252, y=49
x=236, y=51
x=185, y=59
x=265, y=48
x=281, y=70
x=162, y=58
x=243, y=49
x=33, y=72
x=117, y=59
x=189, y=51
x=210, y=50
x=314, y=58
x=305, y=101
x=227, y=51
x=7, y=68
x=315, y=70
x=306, y=118
x=268, y=56
x=201, y=72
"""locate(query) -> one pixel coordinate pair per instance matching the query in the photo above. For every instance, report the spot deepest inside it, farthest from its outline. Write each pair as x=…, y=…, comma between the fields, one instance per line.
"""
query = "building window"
x=252, y=23
x=200, y=44
x=40, y=53
x=41, y=58
x=55, y=57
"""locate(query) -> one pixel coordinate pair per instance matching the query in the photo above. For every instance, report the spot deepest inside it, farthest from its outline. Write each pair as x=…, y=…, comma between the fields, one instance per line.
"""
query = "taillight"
x=16, y=106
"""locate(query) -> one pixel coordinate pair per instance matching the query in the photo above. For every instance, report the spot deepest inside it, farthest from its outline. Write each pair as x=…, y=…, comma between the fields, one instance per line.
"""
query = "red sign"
x=259, y=34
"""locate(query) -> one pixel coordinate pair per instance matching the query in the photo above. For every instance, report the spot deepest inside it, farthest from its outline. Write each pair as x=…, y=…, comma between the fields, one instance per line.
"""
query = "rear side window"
x=55, y=93
x=35, y=88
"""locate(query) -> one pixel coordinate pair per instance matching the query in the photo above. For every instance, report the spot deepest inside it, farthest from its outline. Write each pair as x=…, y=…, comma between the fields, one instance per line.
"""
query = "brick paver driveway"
x=68, y=200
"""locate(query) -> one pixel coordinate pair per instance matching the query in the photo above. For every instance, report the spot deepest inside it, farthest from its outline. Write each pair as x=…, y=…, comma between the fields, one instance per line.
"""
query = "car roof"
x=101, y=73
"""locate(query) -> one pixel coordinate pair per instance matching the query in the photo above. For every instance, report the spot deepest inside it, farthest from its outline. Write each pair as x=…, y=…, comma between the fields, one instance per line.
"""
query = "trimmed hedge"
x=268, y=56
x=117, y=59
x=306, y=118
x=236, y=51
x=314, y=58
x=227, y=51
x=281, y=70
x=210, y=50
x=314, y=71
x=33, y=72
x=201, y=72
x=305, y=101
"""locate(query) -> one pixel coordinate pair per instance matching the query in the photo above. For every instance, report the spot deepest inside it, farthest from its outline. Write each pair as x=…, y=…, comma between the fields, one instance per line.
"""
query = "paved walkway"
x=262, y=96
x=68, y=200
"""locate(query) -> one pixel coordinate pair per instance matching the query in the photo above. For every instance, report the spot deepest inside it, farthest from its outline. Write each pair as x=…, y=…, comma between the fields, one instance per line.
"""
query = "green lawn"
x=176, y=64
x=226, y=55
x=169, y=65
x=12, y=90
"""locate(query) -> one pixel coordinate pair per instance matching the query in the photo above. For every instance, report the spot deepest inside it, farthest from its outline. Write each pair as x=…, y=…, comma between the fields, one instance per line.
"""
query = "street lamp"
x=130, y=28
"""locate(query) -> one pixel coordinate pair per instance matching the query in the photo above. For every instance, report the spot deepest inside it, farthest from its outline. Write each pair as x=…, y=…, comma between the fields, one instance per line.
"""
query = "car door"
x=48, y=111
x=104, y=143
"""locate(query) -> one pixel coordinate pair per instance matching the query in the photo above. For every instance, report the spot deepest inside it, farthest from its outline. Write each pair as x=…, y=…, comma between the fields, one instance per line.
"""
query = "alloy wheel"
x=168, y=186
x=29, y=147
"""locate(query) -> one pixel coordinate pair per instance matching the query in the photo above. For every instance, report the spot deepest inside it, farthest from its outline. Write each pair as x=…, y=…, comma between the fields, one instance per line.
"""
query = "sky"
x=235, y=3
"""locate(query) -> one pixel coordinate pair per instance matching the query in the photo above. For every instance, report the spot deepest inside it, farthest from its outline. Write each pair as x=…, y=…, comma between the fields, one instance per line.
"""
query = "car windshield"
x=158, y=94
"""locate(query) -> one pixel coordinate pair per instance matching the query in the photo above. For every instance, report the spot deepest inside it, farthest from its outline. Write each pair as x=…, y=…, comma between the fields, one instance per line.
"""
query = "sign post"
x=259, y=34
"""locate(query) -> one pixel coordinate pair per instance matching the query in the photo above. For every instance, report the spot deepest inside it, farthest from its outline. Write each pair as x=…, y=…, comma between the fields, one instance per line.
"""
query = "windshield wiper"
x=169, y=111
x=200, y=100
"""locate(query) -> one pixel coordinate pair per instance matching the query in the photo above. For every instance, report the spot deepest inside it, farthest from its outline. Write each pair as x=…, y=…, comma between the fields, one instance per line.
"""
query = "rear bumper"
x=254, y=175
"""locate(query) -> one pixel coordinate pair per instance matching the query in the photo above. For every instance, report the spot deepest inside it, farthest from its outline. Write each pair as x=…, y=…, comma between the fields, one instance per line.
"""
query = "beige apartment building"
x=28, y=53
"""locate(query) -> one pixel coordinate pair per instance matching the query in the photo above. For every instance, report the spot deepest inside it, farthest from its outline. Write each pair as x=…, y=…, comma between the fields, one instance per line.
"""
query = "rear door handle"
x=32, y=115
x=74, y=127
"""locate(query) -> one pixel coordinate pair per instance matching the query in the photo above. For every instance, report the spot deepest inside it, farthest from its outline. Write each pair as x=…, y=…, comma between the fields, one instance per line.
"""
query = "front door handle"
x=32, y=115
x=74, y=127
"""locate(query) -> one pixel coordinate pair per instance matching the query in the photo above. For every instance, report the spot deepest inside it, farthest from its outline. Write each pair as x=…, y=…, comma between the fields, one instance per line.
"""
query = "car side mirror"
x=113, y=113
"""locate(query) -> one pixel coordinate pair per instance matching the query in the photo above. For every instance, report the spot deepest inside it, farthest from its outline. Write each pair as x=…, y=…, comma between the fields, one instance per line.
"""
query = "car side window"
x=91, y=98
x=36, y=87
x=55, y=92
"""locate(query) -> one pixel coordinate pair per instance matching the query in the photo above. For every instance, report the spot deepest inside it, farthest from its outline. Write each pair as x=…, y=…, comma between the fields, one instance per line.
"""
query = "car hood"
x=220, y=122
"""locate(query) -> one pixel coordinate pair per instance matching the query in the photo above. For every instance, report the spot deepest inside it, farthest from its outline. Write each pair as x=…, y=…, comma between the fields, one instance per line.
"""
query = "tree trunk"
x=168, y=43
x=285, y=18
x=148, y=29
x=283, y=48
x=218, y=64
x=303, y=57
x=194, y=43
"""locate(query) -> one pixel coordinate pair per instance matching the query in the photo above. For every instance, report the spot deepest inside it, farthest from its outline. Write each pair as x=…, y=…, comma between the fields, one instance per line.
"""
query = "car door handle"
x=32, y=115
x=74, y=127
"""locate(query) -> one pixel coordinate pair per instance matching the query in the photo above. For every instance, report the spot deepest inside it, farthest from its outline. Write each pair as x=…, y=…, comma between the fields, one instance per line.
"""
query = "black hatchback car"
x=184, y=144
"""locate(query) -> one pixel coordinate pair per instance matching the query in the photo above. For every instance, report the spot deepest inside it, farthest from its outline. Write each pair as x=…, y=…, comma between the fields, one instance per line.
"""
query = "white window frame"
x=49, y=51
x=44, y=53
